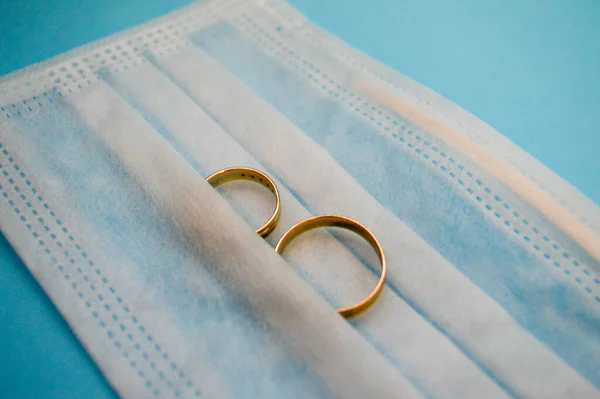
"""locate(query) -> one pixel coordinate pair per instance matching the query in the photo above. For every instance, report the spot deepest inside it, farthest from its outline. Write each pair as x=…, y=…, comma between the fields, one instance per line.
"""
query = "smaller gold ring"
x=244, y=173
x=349, y=224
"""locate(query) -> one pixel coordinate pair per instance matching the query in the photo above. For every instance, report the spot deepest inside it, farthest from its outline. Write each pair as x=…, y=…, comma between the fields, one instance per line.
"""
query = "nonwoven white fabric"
x=104, y=155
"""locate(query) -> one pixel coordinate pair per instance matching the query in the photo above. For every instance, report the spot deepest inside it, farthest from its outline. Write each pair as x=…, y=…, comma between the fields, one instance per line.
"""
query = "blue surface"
x=530, y=69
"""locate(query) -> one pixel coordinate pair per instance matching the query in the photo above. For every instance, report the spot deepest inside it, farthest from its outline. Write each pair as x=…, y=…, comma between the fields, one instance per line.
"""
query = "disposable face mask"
x=492, y=288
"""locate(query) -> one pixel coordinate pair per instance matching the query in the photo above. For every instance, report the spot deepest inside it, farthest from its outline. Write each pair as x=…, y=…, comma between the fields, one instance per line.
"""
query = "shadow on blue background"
x=530, y=69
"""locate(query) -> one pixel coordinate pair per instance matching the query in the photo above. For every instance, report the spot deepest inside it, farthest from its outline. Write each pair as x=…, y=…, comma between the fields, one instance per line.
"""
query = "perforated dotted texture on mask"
x=86, y=279
x=81, y=67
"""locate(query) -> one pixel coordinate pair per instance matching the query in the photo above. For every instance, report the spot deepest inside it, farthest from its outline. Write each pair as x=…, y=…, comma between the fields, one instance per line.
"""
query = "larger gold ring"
x=244, y=173
x=349, y=224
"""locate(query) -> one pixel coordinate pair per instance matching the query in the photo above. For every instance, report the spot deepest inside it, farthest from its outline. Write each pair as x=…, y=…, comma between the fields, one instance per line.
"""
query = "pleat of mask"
x=493, y=286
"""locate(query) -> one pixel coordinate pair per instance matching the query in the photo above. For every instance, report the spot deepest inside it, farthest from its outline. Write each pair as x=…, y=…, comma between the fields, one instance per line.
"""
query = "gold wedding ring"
x=349, y=224
x=244, y=173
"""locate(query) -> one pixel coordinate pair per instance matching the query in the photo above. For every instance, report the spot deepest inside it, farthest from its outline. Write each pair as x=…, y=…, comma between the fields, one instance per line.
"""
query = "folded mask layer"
x=493, y=290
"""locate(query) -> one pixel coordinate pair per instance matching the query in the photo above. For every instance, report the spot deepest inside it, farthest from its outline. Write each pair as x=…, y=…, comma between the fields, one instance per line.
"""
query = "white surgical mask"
x=493, y=287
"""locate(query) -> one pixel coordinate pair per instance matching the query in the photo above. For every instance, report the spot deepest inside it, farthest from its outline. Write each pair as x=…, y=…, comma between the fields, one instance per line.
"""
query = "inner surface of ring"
x=249, y=174
x=351, y=225
x=332, y=221
x=235, y=174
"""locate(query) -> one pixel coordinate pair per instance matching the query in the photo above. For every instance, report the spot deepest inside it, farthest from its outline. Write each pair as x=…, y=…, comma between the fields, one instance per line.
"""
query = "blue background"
x=530, y=69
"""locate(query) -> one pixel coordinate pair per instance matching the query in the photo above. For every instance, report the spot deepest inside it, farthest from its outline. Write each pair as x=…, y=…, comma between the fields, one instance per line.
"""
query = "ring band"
x=244, y=173
x=349, y=224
